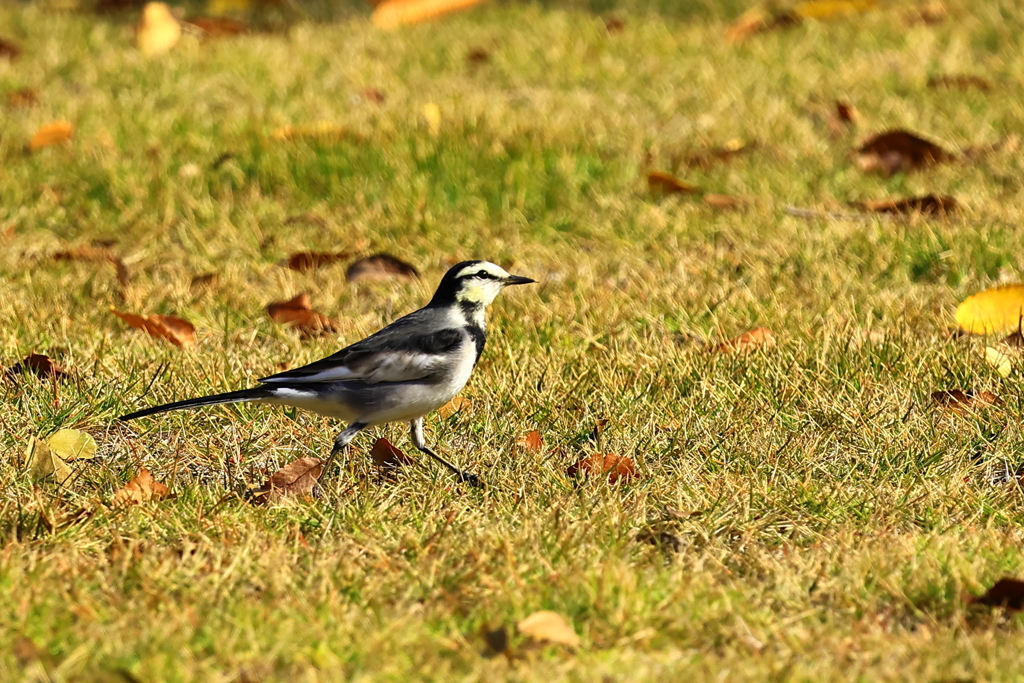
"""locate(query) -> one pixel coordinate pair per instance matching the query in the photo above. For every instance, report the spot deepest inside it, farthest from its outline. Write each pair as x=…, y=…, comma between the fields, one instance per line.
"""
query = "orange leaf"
x=298, y=313
x=659, y=182
x=531, y=441
x=380, y=267
x=142, y=489
x=958, y=400
x=295, y=480
x=456, y=405
x=756, y=338
x=385, y=454
x=177, y=331
x=51, y=134
x=617, y=467
x=394, y=13
x=39, y=365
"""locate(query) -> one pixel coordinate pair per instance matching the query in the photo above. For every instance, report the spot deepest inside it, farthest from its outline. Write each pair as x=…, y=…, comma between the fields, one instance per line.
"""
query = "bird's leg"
x=340, y=442
x=416, y=432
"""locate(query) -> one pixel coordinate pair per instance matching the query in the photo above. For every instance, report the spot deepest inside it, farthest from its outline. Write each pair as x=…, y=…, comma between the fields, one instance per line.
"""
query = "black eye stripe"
x=485, y=275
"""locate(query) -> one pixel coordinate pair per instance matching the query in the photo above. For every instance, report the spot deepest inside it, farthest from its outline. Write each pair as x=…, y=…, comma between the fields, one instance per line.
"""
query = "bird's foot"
x=471, y=479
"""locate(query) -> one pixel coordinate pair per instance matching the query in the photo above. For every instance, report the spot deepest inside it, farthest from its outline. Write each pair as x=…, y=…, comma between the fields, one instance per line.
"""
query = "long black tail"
x=255, y=394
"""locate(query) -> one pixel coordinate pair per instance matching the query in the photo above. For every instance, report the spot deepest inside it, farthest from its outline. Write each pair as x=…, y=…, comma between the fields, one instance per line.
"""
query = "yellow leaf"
x=549, y=626
x=995, y=310
x=43, y=464
x=823, y=9
x=999, y=361
x=51, y=134
x=71, y=444
x=158, y=31
x=432, y=113
x=395, y=13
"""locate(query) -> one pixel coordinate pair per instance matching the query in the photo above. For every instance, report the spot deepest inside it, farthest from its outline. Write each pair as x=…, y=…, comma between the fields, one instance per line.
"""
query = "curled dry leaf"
x=958, y=400
x=22, y=98
x=1006, y=593
x=177, y=331
x=158, y=31
x=298, y=313
x=72, y=444
x=959, y=82
x=39, y=365
x=311, y=260
x=217, y=27
x=551, y=627
x=141, y=489
x=759, y=337
x=661, y=183
x=936, y=205
x=295, y=480
x=992, y=311
x=52, y=133
x=385, y=454
x=532, y=442
x=9, y=50
x=380, y=267
x=394, y=13
x=456, y=405
x=899, y=150
x=618, y=468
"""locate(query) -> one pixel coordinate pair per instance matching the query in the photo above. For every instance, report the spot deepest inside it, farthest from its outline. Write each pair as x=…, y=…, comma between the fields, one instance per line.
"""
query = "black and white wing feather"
x=395, y=354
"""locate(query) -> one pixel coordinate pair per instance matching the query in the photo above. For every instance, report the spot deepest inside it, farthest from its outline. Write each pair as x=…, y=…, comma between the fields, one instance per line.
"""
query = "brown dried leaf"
x=899, y=150
x=759, y=337
x=141, y=489
x=549, y=627
x=39, y=365
x=51, y=133
x=217, y=27
x=380, y=267
x=373, y=95
x=456, y=405
x=958, y=400
x=616, y=467
x=9, y=50
x=532, y=442
x=757, y=20
x=295, y=480
x=478, y=56
x=614, y=25
x=846, y=112
x=959, y=82
x=661, y=183
x=723, y=201
x=385, y=454
x=937, y=205
x=1006, y=593
x=298, y=313
x=311, y=260
x=23, y=98
x=177, y=331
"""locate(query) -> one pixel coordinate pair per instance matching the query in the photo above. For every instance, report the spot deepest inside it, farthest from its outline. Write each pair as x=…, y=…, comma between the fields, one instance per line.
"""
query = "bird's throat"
x=474, y=314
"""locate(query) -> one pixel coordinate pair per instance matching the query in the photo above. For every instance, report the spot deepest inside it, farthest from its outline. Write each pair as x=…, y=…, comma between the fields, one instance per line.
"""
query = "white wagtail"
x=410, y=368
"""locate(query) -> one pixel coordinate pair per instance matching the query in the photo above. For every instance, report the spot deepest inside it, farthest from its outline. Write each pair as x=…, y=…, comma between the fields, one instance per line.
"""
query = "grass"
x=832, y=518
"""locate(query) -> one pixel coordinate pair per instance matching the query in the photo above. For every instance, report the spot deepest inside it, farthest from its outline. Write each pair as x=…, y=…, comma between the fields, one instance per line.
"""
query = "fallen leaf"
x=158, y=31
x=715, y=155
x=532, y=442
x=826, y=9
x=23, y=98
x=380, y=267
x=92, y=254
x=843, y=118
x=373, y=95
x=616, y=467
x=71, y=444
x=478, y=56
x=295, y=480
x=42, y=463
x=936, y=205
x=958, y=400
x=394, y=13
x=52, y=133
x=385, y=454
x=177, y=331
x=432, y=115
x=217, y=27
x=496, y=640
x=723, y=201
x=39, y=365
x=759, y=337
x=660, y=183
x=992, y=311
x=456, y=405
x=141, y=489
x=546, y=626
x=959, y=82
x=759, y=19
x=1006, y=593
x=899, y=150
x=614, y=25
x=9, y=50
x=311, y=260
x=298, y=313
x=999, y=361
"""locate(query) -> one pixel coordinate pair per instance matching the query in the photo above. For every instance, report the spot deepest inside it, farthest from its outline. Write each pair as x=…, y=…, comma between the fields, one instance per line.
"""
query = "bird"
x=400, y=374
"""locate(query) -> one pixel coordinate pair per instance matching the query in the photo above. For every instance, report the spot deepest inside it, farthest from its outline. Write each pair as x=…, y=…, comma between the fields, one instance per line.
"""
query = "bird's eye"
x=486, y=276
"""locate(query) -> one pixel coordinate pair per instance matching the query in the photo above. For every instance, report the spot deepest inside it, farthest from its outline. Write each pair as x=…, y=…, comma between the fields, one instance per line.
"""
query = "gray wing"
x=395, y=354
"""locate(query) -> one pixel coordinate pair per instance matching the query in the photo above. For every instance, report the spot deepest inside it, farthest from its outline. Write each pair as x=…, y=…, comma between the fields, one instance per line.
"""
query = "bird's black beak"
x=518, y=280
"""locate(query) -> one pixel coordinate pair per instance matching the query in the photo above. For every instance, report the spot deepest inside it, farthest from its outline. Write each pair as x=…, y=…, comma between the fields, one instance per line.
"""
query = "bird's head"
x=474, y=283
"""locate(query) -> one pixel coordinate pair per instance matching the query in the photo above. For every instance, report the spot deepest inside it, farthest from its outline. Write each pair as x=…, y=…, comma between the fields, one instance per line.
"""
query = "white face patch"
x=480, y=283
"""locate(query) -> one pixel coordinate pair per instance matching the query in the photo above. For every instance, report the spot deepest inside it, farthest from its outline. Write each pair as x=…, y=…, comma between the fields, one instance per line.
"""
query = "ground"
x=815, y=516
